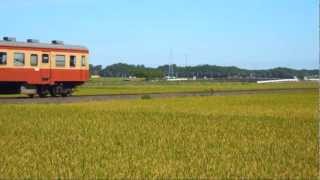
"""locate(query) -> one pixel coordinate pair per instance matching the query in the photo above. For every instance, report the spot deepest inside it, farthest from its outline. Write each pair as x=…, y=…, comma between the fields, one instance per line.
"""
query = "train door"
x=45, y=71
x=81, y=72
x=82, y=64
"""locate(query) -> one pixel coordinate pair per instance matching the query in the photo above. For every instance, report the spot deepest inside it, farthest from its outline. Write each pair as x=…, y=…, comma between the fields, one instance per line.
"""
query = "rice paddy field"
x=240, y=136
x=105, y=86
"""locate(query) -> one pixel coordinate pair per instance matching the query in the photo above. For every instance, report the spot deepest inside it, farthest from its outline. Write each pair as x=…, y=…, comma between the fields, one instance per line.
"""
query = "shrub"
x=146, y=96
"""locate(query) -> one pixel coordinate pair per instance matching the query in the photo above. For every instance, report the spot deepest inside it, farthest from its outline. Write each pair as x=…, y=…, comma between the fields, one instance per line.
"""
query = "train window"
x=3, y=58
x=34, y=60
x=83, y=61
x=73, y=61
x=19, y=59
x=60, y=60
x=45, y=58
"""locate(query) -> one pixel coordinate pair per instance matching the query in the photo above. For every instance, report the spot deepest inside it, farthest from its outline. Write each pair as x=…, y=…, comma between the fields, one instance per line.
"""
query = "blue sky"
x=248, y=33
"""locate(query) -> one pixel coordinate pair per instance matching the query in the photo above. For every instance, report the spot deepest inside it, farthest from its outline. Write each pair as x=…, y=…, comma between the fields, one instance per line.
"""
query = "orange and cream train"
x=41, y=68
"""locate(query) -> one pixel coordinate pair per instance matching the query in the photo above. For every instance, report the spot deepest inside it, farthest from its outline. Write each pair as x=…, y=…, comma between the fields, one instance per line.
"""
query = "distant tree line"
x=200, y=71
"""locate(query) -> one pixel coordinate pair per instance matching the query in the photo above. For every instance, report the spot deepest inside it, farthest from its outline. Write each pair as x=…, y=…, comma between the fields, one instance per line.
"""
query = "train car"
x=35, y=68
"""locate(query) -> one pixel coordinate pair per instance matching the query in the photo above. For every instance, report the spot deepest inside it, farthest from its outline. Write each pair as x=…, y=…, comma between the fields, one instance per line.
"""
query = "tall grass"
x=266, y=136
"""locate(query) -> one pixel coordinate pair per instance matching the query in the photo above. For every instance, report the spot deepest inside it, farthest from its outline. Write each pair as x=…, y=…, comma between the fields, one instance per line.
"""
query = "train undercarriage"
x=59, y=89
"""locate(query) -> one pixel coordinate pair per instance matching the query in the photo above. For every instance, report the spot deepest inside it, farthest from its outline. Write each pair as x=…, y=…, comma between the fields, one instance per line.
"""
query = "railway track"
x=86, y=98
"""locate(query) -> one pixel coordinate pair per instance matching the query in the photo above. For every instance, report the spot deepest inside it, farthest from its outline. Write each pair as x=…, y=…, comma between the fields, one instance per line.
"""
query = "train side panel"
x=77, y=73
x=44, y=73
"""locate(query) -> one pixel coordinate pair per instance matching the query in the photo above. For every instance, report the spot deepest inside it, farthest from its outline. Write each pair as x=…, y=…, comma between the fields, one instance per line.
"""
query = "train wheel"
x=66, y=93
x=42, y=95
x=31, y=95
x=53, y=91
x=43, y=91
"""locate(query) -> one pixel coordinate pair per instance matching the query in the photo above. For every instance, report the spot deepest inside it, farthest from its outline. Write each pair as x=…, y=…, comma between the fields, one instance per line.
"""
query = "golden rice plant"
x=265, y=136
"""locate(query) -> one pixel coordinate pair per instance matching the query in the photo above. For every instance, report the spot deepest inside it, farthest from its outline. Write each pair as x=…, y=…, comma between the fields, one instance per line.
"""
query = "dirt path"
x=72, y=99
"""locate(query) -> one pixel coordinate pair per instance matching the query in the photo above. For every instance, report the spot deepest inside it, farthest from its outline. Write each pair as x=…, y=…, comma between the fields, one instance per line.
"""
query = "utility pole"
x=171, y=70
x=186, y=60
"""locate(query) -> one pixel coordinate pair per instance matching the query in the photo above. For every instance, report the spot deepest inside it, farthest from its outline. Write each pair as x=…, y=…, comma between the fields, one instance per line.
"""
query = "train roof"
x=46, y=46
